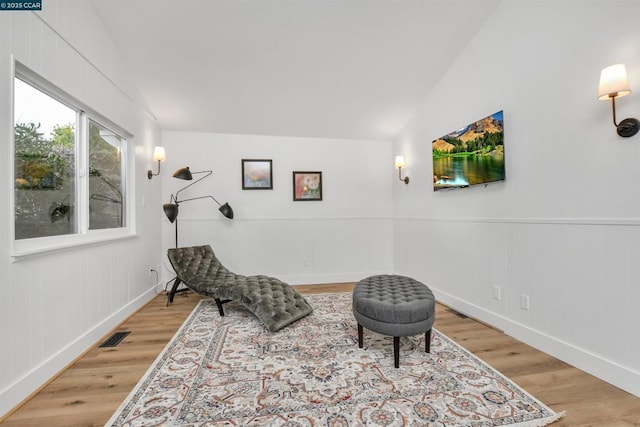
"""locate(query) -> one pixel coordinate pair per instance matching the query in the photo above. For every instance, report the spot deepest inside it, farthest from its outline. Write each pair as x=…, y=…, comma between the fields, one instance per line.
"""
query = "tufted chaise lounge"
x=394, y=305
x=274, y=302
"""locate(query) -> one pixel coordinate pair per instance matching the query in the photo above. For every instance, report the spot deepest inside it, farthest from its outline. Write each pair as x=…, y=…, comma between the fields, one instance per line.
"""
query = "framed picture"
x=257, y=174
x=307, y=186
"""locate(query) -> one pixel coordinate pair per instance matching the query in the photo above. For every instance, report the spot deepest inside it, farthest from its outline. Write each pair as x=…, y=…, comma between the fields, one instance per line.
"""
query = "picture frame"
x=257, y=174
x=307, y=186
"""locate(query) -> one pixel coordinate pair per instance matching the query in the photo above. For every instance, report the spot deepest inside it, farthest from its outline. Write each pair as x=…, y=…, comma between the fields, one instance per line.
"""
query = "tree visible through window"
x=106, y=191
x=50, y=175
x=45, y=184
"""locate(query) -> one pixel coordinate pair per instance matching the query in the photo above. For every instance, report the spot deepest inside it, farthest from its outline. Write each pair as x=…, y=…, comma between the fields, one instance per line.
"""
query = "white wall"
x=564, y=227
x=344, y=237
x=55, y=305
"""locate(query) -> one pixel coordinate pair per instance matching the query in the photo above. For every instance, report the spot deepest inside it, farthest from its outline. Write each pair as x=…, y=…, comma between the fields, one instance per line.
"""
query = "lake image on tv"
x=471, y=155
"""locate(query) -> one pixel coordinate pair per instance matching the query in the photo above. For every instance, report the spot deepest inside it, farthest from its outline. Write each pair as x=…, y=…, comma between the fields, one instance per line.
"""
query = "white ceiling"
x=352, y=69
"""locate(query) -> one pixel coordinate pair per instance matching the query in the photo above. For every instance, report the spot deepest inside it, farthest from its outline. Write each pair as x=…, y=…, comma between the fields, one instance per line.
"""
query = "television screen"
x=471, y=155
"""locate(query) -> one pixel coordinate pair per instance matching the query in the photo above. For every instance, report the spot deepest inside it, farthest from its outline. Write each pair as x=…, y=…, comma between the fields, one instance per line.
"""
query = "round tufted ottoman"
x=394, y=305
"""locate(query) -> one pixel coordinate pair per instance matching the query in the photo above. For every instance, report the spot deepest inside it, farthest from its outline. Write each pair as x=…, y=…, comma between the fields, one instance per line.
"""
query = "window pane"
x=45, y=184
x=106, y=178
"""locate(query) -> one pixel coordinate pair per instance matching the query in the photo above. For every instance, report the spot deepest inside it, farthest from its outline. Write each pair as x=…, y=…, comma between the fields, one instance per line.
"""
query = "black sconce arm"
x=627, y=127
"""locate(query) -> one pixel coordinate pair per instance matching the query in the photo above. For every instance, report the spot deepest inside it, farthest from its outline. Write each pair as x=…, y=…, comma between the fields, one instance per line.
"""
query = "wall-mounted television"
x=471, y=155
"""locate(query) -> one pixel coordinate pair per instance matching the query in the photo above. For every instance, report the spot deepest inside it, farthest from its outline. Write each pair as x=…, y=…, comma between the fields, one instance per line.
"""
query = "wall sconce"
x=400, y=165
x=614, y=84
x=158, y=155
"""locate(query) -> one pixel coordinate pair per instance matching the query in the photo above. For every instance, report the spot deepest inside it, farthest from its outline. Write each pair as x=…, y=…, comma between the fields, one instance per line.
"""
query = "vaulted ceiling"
x=354, y=69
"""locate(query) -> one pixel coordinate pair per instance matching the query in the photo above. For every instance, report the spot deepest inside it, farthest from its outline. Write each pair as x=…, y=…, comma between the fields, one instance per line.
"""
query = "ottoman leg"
x=427, y=341
x=396, y=351
x=359, y=335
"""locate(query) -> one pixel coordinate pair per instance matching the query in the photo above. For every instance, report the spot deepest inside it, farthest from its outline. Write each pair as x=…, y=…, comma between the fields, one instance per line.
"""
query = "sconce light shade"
x=614, y=84
x=158, y=156
x=226, y=210
x=183, y=173
x=399, y=163
x=171, y=211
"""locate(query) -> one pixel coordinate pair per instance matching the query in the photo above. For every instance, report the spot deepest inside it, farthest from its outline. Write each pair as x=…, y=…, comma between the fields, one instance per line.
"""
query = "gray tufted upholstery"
x=274, y=302
x=393, y=305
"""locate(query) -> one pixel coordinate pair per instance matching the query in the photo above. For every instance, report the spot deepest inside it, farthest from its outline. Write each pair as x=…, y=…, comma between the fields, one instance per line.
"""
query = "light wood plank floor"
x=91, y=389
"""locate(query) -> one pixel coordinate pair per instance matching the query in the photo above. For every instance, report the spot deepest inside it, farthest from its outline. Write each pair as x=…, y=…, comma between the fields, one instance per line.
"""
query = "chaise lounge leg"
x=396, y=351
x=359, y=335
x=174, y=289
x=427, y=341
x=219, y=304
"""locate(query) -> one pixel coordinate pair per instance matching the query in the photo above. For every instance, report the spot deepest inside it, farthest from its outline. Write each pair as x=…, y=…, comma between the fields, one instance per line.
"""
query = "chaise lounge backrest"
x=274, y=302
x=200, y=269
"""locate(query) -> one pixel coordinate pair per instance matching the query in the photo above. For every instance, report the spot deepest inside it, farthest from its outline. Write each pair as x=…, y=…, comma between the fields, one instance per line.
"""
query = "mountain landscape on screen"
x=471, y=155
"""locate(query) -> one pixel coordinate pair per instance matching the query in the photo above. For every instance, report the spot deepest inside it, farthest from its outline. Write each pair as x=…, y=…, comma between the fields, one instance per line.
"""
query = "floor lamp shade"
x=171, y=211
x=225, y=210
x=183, y=173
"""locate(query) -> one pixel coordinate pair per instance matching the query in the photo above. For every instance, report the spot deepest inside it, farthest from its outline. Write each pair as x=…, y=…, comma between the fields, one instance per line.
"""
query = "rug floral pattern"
x=231, y=371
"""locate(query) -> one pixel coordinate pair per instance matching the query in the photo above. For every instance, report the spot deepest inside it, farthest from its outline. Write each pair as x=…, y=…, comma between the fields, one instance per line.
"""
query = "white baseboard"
x=611, y=372
x=23, y=388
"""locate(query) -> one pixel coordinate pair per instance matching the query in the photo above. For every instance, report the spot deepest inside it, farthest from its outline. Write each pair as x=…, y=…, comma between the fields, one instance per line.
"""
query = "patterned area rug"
x=231, y=371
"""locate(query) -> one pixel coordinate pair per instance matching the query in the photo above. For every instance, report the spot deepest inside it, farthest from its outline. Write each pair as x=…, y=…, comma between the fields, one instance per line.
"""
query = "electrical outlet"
x=306, y=262
x=524, y=302
x=497, y=293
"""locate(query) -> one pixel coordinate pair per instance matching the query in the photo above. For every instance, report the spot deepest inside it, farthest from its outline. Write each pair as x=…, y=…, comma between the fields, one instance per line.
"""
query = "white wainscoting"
x=581, y=277
x=296, y=250
x=55, y=305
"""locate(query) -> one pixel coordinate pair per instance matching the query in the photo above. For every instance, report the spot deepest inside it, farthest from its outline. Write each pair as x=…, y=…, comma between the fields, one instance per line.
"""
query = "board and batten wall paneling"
x=344, y=237
x=564, y=227
x=581, y=281
x=55, y=305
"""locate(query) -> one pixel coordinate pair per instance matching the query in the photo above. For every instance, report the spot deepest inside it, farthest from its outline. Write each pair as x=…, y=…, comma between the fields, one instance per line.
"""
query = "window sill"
x=28, y=248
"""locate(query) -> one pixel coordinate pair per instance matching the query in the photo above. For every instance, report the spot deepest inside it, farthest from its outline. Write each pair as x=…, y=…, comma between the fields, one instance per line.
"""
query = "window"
x=70, y=168
x=45, y=184
x=106, y=183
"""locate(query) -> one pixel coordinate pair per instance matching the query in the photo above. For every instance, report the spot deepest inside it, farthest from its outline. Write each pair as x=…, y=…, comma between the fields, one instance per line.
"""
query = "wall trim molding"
x=620, y=376
x=294, y=219
x=541, y=221
x=14, y=396
x=635, y=222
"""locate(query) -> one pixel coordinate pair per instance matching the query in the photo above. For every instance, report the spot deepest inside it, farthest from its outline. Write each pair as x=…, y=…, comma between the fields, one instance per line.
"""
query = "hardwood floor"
x=91, y=389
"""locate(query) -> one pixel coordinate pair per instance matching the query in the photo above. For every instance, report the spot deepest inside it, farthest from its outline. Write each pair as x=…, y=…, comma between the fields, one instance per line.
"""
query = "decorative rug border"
x=155, y=365
x=534, y=423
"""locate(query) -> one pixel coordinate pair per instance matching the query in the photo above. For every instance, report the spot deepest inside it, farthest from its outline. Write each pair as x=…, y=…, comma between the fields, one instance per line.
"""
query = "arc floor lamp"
x=171, y=209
